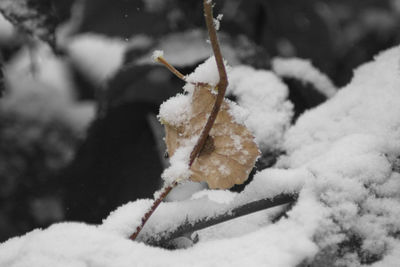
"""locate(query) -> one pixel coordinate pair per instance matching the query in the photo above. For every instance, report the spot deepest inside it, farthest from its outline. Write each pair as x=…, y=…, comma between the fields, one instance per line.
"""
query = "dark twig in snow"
x=222, y=85
x=163, y=239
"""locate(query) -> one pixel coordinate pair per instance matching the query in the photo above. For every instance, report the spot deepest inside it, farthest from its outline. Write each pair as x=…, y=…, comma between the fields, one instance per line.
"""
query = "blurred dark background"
x=50, y=171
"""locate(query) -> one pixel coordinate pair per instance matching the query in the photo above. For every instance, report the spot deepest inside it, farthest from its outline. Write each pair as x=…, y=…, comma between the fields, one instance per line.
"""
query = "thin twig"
x=223, y=83
x=171, y=68
x=153, y=207
x=162, y=239
x=176, y=72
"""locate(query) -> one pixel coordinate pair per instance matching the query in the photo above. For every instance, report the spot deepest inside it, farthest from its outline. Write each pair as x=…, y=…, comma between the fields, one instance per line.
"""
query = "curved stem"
x=222, y=85
x=171, y=68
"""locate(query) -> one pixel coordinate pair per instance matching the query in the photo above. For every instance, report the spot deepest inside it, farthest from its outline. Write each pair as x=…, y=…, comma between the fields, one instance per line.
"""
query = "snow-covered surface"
x=7, y=31
x=190, y=47
x=339, y=158
x=350, y=144
x=304, y=71
x=97, y=56
x=176, y=110
x=179, y=169
x=28, y=17
x=206, y=72
x=185, y=190
x=40, y=87
x=265, y=97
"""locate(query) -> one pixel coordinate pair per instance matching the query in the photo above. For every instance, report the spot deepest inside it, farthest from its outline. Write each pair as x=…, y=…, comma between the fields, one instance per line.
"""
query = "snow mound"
x=206, y=72
x=264, y=96
x=350, y=145
x=341, y=159
x=40, y=87
x=183, y=49
x=304, y=71
x=368, y=105
x=175, y=110
x=7, y=31
x=97, y=56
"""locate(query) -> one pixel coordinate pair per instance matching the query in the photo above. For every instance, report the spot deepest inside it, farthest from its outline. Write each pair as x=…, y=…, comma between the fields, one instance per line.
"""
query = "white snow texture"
x=304, y=71
x=340, y=157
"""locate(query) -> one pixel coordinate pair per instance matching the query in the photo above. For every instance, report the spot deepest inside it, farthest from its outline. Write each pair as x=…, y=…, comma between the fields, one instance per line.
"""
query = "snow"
x=27, y=17
x=185, y=49
x=339, y=158
x=271, y=182
x=96, y=55
x=179, y=169
x=350, y=144
x=217, y=21
x=368, y=105
x=218, y=196
x=58, y=248
x=304, y=71
x=264, y=96
x=175, y=110
x=154, y=5
x=238, y=113
x=7, y=31
x=46, y=94
x=206, y=72
x=157, y=54
x=185, y=190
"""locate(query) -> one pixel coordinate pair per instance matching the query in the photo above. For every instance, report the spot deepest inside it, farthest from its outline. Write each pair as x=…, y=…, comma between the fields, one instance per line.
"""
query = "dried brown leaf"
x=229, y=153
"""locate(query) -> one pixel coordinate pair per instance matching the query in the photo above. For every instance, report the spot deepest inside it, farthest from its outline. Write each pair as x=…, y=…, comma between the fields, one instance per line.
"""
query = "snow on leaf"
x=229, y=153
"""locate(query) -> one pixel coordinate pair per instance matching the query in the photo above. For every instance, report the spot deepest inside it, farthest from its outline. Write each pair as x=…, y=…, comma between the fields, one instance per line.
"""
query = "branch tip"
x=158, y=56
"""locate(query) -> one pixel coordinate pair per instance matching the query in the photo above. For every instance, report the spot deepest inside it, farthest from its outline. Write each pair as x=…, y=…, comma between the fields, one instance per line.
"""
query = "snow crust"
x=340, y=158
x=304, y=71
